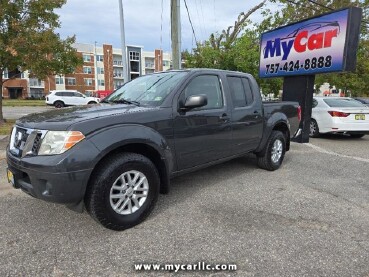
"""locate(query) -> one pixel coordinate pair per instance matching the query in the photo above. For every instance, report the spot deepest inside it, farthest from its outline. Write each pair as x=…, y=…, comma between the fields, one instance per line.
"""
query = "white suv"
x=63, y=98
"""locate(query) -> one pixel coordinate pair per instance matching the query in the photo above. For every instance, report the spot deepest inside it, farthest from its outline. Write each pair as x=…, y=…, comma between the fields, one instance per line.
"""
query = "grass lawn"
x=22, y=103
x=6, y=127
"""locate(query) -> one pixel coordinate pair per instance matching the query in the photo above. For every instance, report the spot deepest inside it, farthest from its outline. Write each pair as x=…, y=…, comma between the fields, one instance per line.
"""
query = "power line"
x=189, y=18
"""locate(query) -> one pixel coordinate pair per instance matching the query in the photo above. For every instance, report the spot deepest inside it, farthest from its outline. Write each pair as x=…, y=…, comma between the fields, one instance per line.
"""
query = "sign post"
x=322, y=44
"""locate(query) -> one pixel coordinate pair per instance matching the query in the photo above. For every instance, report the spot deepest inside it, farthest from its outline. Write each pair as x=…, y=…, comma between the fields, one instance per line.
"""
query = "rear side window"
x=68, y=93
x=240, y=91
x=59, y=93
x=343, y=102
x=248, y=91
x=237, y=92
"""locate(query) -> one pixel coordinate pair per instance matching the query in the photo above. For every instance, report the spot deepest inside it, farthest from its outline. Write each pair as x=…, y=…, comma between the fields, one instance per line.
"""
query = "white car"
x=63, y=98
x=339, y=115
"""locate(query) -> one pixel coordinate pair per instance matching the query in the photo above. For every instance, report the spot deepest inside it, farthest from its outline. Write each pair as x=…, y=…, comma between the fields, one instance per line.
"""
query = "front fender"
x=109, y=139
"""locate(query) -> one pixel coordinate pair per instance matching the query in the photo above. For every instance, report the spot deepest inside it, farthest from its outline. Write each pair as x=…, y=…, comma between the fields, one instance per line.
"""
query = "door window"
x=207, y=85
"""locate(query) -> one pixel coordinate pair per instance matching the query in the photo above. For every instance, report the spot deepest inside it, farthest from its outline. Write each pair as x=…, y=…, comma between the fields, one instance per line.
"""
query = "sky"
x=146, y=23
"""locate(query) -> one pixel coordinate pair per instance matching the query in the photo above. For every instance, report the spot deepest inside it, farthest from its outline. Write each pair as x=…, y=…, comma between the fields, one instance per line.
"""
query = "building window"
x=5, y=74
x=88, y=81
x=99, y=58
x=117, y=62
x=118, y=84
x=134, y=56
x=59, y=80
x=101, y=82
x=70, y=81
x=118, y=74
x=87, y=58
x=35, y=82
x=100, y=70
x=87, y=70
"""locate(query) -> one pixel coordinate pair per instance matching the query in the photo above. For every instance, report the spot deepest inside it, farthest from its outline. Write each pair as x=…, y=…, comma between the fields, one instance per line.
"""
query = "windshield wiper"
x=125, y=101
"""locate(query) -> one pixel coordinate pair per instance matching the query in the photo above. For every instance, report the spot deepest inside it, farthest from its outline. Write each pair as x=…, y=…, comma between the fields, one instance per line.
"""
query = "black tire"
x=91, y=103
x=97, y=198
x=357, y=135
x=314, y=129
x=59, y=104
x=265, y=160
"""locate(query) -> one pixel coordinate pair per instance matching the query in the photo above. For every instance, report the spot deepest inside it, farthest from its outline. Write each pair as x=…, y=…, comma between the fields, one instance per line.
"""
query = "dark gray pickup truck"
x=115, y=157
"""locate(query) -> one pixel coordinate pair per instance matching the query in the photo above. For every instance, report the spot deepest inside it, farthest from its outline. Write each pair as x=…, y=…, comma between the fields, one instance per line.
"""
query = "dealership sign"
x=327, y=43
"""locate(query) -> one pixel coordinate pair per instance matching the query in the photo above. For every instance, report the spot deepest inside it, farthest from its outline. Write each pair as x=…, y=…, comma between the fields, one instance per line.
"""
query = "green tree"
x=28, y=41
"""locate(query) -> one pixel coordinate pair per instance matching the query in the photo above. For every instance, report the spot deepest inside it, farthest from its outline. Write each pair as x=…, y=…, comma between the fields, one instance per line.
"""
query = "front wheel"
x=272, y=156
x=123, y=191
x=91, y=103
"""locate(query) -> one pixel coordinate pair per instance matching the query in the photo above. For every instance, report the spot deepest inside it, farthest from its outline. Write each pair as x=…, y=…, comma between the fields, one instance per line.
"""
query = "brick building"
x=102, y=69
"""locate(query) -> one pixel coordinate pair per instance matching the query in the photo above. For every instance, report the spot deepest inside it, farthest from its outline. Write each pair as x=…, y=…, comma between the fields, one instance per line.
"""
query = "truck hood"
x=61, y=119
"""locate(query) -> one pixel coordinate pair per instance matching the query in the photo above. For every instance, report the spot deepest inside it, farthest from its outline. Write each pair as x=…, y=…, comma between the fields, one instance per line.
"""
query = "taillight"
x=299, y=113
x=338, y=114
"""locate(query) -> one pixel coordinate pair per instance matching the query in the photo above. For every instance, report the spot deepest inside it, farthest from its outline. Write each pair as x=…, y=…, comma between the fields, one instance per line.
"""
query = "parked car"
x=341, y=115
x=64, y=98
x=115, y=157
x=363, y=100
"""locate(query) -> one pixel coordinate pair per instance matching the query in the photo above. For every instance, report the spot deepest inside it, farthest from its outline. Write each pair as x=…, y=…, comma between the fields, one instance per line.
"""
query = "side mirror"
x=195, y=101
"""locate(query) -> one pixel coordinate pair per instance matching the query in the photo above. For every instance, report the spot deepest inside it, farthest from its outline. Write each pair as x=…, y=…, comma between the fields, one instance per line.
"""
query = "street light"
x=123, y=38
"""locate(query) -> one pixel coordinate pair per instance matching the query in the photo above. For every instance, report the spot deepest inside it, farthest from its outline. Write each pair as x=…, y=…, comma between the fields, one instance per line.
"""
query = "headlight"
x=57, y=142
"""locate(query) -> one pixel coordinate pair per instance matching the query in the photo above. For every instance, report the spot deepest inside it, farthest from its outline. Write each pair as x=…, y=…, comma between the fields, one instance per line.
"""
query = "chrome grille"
x=25, y=141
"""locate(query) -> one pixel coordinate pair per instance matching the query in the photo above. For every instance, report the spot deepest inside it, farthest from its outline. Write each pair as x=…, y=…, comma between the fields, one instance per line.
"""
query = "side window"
x=76, y=94
x=248, y=91
x=68, y=94
x=59, y=93
x=208, y=85
x=315, y=103
x=237, y=92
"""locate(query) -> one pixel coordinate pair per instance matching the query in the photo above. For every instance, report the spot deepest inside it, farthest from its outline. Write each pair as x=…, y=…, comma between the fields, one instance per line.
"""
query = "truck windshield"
x=149, y=90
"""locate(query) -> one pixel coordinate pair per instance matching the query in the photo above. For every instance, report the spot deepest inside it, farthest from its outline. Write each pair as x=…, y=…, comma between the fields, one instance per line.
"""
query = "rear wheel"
x=272, y=156
x=123, y=192
x=357, y=135
x=314, y=129
x=59, y=104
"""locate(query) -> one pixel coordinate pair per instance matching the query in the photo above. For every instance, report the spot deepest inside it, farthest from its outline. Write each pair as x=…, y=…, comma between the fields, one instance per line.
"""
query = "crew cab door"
x=247, y=115
x=203, y=134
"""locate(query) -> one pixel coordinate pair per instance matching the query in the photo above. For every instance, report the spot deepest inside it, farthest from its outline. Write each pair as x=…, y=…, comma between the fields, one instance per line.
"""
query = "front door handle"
x=224, y=117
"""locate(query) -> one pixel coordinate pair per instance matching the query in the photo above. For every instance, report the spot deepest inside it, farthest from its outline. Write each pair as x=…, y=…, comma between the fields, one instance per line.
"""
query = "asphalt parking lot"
x=310, y=218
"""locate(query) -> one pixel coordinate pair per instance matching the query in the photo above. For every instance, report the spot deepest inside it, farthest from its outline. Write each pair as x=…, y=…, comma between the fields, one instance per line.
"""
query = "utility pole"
x=176, y=33
x=123, y=38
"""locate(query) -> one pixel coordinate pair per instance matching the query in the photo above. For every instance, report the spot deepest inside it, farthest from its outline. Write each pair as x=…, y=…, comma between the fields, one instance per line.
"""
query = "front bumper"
x=59, y=178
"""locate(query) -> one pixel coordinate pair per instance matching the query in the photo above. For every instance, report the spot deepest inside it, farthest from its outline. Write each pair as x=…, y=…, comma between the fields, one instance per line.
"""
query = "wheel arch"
x=282, y=127
x=135, y=139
